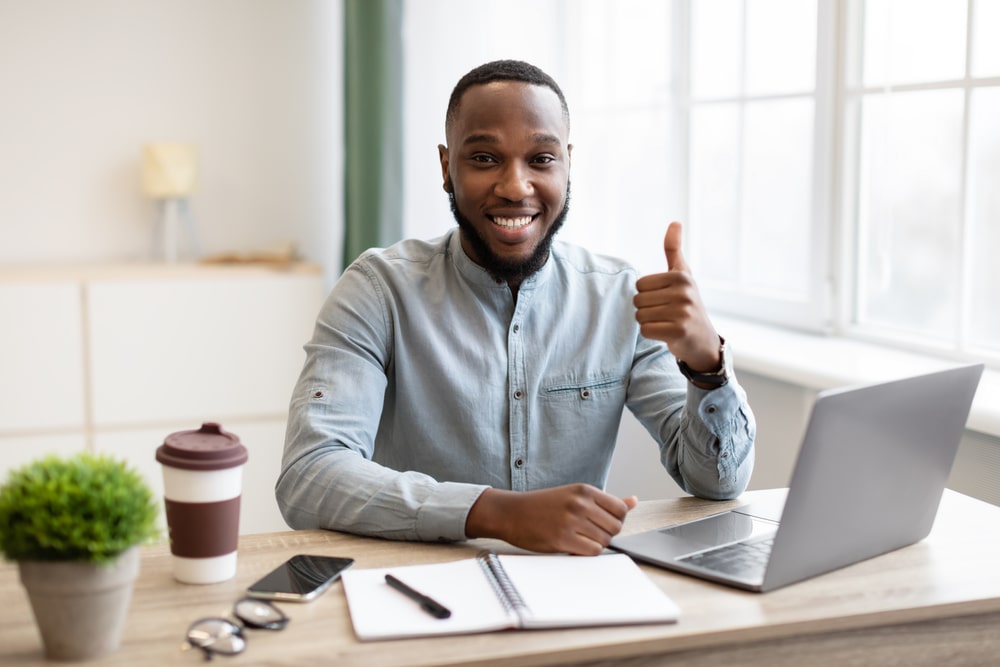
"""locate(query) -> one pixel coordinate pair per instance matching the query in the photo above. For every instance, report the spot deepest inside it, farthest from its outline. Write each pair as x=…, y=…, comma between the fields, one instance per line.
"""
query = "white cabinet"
x=41, y=357
x=114, y=358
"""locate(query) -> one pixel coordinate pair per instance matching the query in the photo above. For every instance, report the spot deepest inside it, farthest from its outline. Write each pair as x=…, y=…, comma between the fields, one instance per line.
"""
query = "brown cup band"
x=203, y=530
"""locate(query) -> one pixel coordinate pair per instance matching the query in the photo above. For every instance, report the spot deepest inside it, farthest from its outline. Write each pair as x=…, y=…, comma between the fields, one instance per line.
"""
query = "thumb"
x=672, y=248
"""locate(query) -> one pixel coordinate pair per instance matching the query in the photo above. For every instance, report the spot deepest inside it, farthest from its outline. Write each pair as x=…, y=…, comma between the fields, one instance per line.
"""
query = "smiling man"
x=472, y=385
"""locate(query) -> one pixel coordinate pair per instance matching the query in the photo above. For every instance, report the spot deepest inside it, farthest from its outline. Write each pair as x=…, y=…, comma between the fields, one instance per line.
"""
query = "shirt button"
x=711, y=409
x=584, y=393
x=519, y=394
x=517, y=327
x=519, y=463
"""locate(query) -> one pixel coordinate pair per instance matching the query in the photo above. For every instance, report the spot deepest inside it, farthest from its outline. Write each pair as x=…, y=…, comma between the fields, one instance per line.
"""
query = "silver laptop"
x=868, y=479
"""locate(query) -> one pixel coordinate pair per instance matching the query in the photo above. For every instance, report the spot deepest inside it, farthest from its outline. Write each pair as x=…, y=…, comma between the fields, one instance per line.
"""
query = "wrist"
x=485, y=518
x=711, y=378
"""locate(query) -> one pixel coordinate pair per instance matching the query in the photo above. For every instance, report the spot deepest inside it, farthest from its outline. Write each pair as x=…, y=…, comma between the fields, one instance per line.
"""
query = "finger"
x=613, y=505
x=676, y=297
x=583, y=545
x=608, y=517
x=660, y=281
x=631, y=502
x=672, y=248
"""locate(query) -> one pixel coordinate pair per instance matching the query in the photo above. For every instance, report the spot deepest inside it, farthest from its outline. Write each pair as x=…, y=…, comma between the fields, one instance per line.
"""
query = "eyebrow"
x=538, y=138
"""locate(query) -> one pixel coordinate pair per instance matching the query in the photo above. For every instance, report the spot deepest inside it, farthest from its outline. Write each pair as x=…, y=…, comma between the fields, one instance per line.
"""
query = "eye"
x=483, y=158
x=544, y=159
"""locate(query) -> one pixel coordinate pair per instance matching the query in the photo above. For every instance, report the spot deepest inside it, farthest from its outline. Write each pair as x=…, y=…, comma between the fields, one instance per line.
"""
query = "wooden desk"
x=933, y=603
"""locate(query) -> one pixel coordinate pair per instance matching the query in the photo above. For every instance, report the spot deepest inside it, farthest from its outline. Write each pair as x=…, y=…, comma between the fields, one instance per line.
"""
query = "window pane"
x=716, y=48
x=781, y=46
x=985, y=45
x=984, y=216
x=777, y=196
x=714, y=192
x=909, y=41
x=909, y=211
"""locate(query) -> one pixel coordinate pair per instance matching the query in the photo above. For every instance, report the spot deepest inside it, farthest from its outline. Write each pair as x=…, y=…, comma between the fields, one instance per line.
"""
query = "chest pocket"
x=584, y=413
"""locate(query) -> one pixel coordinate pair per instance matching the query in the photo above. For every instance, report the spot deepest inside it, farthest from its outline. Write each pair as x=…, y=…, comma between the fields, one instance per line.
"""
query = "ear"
x=443, y=158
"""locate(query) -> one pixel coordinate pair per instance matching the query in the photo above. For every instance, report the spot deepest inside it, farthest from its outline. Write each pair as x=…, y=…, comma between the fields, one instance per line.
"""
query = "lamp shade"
x=169, y=170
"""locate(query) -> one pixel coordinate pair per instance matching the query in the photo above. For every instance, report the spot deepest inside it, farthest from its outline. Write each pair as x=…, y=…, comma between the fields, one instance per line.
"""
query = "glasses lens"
x=216, y=635
x=259, y=614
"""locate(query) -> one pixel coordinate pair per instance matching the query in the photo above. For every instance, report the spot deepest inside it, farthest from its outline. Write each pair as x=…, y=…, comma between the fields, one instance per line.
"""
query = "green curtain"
x=373, y=125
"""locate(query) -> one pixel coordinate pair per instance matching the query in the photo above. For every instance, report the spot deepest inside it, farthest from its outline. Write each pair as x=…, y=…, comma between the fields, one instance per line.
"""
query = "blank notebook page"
x=582, y=590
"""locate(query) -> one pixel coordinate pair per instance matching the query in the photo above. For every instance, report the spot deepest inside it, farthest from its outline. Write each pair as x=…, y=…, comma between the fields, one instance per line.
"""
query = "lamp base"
x=175, y=213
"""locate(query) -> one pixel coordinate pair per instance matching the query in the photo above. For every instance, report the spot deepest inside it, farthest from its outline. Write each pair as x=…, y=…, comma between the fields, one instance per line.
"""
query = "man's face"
x=506, y=168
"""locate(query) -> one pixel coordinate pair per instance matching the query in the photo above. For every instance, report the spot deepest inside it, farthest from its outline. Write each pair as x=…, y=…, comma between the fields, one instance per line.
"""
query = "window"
x=757, y=145
x=922, y=99
x=835, y=162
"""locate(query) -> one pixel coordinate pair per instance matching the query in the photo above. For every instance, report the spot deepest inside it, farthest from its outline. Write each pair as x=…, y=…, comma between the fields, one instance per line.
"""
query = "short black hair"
x=503, y=70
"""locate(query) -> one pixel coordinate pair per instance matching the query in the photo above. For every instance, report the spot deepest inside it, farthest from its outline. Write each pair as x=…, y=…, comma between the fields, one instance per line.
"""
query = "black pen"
x=431, y=606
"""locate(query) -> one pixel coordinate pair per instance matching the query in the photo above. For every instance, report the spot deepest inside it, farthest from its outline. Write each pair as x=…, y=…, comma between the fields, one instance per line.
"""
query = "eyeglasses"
x=223, y=636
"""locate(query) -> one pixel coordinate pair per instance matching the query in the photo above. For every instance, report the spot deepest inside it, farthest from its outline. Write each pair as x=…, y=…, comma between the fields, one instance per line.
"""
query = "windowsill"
x=824, y=362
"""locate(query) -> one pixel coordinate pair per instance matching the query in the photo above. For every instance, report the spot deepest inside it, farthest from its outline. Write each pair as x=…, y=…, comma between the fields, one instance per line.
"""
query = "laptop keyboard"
x=746, y=560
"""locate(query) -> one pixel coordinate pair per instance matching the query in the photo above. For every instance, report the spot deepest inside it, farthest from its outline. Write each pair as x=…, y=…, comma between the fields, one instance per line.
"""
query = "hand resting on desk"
x=576, y=518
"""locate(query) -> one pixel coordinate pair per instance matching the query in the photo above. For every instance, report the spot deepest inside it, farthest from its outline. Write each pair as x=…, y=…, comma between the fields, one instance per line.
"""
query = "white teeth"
x=512, y=223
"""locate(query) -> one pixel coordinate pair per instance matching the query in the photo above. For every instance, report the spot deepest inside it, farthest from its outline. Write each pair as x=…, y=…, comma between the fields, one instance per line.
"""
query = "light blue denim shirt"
x=426, y=382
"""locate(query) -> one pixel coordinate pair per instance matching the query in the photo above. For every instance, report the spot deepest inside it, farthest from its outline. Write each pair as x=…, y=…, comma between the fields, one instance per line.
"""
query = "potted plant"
x=73, y=525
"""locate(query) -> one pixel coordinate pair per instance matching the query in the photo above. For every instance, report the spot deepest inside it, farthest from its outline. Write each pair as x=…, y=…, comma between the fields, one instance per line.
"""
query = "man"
x=472, y=386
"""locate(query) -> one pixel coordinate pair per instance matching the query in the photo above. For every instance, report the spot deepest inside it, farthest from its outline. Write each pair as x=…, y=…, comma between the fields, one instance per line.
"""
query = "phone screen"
x=300, y=578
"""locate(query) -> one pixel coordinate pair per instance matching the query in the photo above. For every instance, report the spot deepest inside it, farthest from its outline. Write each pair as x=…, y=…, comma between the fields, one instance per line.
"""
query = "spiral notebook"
x=505, y=592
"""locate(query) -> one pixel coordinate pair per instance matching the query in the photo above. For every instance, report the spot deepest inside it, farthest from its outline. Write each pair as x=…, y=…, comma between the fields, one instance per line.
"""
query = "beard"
x=500, y=268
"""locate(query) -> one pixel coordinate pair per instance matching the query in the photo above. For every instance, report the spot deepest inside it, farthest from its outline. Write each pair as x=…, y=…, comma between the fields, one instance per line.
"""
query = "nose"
x=514, y=182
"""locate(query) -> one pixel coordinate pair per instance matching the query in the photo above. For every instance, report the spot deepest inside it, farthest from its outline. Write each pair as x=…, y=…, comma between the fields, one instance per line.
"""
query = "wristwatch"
x=715, y=378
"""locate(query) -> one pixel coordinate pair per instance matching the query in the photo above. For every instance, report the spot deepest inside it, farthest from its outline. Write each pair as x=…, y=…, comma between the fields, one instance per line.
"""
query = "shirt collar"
x=479, y=276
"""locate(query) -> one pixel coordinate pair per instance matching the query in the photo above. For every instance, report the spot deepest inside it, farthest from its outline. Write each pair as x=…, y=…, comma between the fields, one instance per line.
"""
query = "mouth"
x=512, y=223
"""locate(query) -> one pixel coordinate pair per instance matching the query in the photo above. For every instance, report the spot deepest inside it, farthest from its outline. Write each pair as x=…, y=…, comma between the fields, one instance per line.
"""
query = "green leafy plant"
x=83, y=508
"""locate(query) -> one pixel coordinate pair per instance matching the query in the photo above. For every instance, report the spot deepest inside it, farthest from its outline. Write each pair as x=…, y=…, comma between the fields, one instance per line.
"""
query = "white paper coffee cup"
x=202, y=480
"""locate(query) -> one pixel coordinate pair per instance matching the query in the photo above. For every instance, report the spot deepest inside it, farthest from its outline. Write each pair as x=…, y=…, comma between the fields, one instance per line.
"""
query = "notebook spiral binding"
x=501, y=583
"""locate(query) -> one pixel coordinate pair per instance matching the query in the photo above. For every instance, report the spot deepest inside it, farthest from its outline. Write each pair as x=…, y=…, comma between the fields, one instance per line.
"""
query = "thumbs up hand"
x=669, y=308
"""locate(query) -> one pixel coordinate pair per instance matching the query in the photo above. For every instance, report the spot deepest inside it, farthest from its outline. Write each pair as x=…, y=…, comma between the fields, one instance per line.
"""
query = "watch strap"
x=716, y=378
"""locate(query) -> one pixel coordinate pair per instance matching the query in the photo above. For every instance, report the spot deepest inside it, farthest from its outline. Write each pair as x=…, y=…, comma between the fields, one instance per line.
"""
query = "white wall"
x=83, y=85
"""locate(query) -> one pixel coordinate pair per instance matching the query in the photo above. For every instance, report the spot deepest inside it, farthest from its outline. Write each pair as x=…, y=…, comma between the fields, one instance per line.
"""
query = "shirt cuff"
x=716, y=408
x=442, y=516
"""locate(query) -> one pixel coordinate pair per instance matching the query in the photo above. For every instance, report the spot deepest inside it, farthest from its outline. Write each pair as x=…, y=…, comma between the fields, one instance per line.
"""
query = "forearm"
x=338, y=489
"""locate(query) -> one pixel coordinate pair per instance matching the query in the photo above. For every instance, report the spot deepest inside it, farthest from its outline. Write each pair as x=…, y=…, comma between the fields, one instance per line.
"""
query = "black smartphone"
x=300, y=578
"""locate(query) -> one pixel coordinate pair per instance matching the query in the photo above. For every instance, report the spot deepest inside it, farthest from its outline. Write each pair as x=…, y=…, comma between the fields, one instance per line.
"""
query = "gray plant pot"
x=80, y=608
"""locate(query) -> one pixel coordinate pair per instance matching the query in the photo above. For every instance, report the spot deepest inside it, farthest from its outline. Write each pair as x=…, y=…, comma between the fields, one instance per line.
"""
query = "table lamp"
x=169, y=175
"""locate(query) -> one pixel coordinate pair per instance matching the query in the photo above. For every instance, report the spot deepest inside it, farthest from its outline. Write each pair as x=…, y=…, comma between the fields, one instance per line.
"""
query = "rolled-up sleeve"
x=706, y=437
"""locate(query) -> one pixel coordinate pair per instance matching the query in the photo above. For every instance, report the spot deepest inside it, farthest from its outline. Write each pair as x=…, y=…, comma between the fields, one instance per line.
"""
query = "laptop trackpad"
x=666, y=544
x=712, y=531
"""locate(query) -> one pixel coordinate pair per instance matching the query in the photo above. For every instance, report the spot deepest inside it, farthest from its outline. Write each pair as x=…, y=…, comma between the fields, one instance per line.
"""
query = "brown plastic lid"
x=207, y=448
